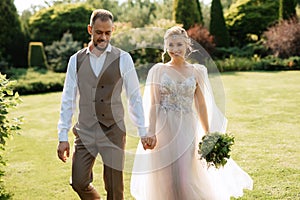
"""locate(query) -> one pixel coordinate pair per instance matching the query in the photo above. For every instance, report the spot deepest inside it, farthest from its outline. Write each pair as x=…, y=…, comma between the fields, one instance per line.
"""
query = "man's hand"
x=149, y=142
x=63, y=151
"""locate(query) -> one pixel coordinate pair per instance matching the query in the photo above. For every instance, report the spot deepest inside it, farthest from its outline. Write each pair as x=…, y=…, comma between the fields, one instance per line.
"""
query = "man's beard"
x=100, y=48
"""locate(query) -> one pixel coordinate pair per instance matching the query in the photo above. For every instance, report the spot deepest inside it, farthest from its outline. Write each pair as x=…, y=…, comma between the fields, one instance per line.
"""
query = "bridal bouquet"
x=215, y=148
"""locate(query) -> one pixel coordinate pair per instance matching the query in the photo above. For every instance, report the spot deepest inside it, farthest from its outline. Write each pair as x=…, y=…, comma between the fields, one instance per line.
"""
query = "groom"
x=96, y=76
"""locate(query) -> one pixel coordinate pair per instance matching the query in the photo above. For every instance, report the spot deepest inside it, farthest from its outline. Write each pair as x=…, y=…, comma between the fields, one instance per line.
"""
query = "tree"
x=111, y=5
x=200, y=11
x=12, y=39
x=217, y=26
x=163, y=10
x=187, y=12
x=138, y=12
x=226, y=3
x=287, y=9
x=49, y=24
x=248, y=19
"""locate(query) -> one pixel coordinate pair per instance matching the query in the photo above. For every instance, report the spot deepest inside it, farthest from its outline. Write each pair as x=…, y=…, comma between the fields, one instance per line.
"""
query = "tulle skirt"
x=173, y=170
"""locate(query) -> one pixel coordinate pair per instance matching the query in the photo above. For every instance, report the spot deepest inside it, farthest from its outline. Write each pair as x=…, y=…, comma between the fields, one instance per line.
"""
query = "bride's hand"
x=149, y=142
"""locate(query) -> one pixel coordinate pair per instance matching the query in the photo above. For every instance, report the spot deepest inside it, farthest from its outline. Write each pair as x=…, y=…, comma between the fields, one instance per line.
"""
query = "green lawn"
x=263, y=109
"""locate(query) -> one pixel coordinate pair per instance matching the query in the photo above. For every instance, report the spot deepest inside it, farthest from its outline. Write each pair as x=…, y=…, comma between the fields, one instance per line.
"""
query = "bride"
x=180, y=109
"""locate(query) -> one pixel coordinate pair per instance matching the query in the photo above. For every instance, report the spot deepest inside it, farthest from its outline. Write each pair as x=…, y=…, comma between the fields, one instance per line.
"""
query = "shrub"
x=59, y=52
x=284, y=38
x=145, y=45
x=36, y=55
x=3, y=62
x=144, y=59
x=235, y=64
x=269, y=63
x=8, y=125
x=34, y=81
x=249, y=50
x=274, y=63
x=202, y=36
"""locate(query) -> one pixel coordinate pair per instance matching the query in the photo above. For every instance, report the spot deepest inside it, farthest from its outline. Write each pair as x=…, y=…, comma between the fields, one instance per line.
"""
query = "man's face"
x=101, y=32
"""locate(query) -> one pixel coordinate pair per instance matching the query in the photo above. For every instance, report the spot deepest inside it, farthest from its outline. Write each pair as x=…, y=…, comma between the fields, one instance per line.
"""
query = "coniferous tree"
x=186, y=12
x=200, y=11
x=12, y=39
x=217, y=26
x=287, y=9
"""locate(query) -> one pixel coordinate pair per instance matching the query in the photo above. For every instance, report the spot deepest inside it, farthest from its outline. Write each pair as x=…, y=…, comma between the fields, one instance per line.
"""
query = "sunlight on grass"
x=263, y=112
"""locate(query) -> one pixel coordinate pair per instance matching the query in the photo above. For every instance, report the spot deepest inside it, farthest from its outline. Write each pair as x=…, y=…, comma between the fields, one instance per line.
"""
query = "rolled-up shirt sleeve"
x=132, y=90
x=68, y=100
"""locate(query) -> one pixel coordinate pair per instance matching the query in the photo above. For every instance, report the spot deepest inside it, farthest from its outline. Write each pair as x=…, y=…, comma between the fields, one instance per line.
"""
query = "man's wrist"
x=142, y=132
x=63, y=135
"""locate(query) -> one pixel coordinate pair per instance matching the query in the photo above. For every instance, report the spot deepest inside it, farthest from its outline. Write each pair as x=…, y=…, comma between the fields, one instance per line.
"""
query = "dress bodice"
x=177, y=95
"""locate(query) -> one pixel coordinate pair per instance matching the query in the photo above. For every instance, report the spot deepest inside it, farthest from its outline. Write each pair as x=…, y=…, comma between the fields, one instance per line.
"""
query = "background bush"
x=8, y=124
x=144, y=44
x=34, y=81
x=269, y=63
x=59, y=52
x=284, y=38
x=202, y=36
x=249, y=50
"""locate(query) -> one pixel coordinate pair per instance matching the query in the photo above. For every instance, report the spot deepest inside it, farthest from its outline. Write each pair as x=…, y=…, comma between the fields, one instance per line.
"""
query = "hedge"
x=34, y=81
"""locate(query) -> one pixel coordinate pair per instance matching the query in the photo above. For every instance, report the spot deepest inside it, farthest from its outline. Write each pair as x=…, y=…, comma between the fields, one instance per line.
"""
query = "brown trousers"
x=111, y=146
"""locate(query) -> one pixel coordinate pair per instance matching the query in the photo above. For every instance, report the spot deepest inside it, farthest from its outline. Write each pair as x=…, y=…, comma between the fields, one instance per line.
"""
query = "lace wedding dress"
x=173, y=170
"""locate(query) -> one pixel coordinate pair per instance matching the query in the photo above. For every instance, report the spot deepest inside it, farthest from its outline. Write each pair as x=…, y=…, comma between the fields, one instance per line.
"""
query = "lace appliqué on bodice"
x=177, y=96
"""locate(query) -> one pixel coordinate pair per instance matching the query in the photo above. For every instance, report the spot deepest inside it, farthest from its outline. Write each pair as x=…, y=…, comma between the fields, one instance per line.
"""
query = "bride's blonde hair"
x=173, y=32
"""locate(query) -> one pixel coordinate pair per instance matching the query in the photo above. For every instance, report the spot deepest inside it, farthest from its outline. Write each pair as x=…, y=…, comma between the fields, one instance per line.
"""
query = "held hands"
x=148, y=142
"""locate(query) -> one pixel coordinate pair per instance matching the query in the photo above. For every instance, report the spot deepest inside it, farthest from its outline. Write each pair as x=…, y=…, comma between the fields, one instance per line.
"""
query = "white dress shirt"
x=130, y=83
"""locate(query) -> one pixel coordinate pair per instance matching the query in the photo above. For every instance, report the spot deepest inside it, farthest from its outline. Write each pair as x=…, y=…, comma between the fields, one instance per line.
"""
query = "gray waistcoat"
x=100, y=97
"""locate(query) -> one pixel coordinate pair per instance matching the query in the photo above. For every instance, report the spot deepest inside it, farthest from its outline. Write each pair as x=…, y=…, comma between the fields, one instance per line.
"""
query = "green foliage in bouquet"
x=215, y=148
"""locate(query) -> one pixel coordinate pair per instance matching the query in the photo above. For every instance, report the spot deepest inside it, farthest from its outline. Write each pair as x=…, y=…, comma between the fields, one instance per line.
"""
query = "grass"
x=263, y=112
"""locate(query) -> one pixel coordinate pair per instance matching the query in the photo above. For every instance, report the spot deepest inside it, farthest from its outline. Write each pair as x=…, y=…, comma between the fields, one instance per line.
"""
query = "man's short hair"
x=102, y=14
